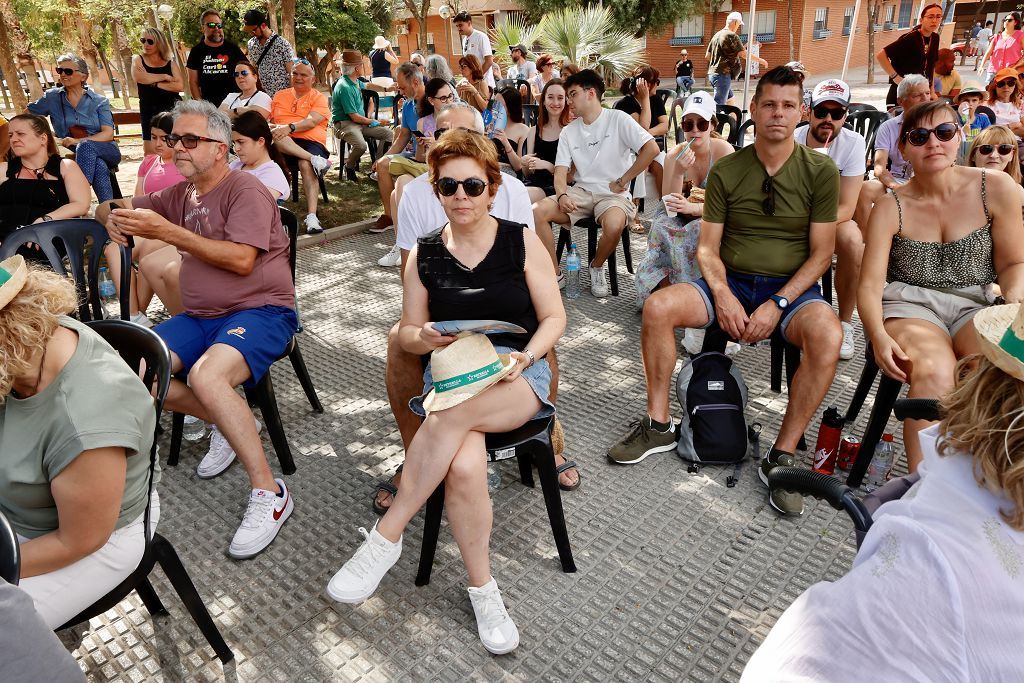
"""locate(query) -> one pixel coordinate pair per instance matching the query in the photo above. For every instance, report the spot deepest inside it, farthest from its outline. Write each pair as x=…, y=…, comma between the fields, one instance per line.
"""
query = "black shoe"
x=350, y=173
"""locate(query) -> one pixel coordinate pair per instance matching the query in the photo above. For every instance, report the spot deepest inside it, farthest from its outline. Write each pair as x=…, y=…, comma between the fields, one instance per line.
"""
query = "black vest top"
x=152, y=98
x=23, y=200
x=494, y=290
x=545, y=150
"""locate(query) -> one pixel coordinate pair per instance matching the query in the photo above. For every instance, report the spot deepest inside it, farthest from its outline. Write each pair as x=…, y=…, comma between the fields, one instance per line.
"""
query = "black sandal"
x=568, y=465
x=387, y=487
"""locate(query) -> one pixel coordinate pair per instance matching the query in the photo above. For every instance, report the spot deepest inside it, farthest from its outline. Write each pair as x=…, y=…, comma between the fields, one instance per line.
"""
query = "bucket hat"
x=463, y=369
x=13, y=273
x=1001, y=335
x=381, y=43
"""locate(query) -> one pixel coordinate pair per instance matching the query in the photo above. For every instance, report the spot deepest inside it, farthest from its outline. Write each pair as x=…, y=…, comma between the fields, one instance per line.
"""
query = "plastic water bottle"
x=572, y=275
x=194, y=428
x=493, y=477
x=881, y=464
x=108, y=295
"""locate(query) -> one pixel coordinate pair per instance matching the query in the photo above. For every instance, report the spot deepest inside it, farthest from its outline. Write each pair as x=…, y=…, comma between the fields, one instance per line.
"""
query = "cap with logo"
x=831, y=90
x=700, y=103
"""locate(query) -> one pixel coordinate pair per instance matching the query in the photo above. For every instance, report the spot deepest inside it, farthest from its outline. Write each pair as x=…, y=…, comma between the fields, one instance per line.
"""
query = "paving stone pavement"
x=679, y=578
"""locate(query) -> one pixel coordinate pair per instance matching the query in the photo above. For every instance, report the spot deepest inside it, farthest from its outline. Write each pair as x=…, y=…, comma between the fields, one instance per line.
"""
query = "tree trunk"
x=326, y=65
x=288, y=21
x=123, y=54
x=420, y=14
x=10, y=72
x=272, y=16
x=22, y=47
x=78, y=33
x=125, y=102
x=873, y=10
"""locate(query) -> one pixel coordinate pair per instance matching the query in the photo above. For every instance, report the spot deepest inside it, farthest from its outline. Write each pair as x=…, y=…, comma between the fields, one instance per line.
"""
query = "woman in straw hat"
x=76, y=426
x=934, y=250
x=937, y=589
x=475, y=266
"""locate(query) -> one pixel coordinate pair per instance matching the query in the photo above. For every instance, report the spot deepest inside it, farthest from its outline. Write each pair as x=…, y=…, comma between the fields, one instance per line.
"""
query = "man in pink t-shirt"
x=239, y=301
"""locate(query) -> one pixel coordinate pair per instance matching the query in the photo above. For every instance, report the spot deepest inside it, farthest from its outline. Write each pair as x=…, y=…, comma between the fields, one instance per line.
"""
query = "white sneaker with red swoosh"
x=264, y=517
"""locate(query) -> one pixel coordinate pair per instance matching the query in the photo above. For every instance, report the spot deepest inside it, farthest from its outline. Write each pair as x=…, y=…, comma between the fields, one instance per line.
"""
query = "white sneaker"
x=359, y=577
x=561, y=280
x=391, y=259
x=266, y=514
x=847, y=349
x=220, y=456
x=599, y=281
x=497, y=631
x=313, y=226
x=320, y=165
x=142, y=319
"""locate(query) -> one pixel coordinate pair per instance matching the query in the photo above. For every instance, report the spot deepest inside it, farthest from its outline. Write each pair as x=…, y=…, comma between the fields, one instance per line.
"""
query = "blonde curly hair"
x=977, y=416
x=29, y=320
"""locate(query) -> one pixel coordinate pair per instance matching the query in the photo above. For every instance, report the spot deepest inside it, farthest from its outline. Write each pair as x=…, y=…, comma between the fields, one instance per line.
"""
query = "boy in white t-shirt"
x=599, y=145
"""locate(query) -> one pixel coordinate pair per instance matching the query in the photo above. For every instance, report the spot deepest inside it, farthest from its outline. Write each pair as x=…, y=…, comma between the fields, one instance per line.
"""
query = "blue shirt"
x=92, y=112
x=410, y=119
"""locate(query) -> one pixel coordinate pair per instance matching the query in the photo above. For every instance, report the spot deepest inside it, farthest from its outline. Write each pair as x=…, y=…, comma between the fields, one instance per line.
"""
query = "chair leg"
x=864, y=384
x=323, y=189
x=525, y=467
x=295, y=184
x=150, y=599
x=544, y=458
x=299, y=366
x=613, y=274
x=177, y=429
x=263, y=396
x=564, y=240
x=186, y=590
x=627, y=252
x=778, y=348
x=826, y=284
x=431, y=529
x=885, y=399
x=791, y=355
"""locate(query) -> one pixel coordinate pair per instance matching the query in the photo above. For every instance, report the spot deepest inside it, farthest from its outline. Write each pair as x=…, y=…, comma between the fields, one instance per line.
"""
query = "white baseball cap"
x=734, y=16
x=700, y=103
x=831, y=90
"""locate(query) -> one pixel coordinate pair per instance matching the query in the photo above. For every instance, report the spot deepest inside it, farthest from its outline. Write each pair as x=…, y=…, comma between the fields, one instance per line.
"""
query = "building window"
x=890, y=17
x=906, y=10
x=821, y=23
x=764, y=26
x=847, y=20
x=430, y=43
x=689, y=31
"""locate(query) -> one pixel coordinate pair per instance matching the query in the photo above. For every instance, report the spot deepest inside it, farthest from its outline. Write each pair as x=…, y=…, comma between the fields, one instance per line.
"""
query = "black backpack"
x=713, y=430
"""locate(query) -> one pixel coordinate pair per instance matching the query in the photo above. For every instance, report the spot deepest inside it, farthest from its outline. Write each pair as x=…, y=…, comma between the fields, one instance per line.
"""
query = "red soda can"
x=849, y=447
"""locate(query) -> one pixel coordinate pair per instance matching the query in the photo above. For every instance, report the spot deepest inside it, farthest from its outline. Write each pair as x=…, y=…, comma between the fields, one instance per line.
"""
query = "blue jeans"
x=722, y=84
x=684, y=83
x=96, y=159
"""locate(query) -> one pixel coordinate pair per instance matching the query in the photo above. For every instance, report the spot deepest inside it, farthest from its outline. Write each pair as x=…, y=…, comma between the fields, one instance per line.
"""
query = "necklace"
x=39, y=172
x=39, y=378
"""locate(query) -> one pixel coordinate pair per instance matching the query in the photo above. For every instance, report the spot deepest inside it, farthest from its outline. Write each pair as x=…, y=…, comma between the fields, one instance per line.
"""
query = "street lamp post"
x=445, y=12
x=165, y=12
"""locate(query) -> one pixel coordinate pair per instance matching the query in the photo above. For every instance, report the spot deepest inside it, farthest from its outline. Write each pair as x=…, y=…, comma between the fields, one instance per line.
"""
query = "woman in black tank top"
x=542, y=141
x=158, y=78
x=479, y=267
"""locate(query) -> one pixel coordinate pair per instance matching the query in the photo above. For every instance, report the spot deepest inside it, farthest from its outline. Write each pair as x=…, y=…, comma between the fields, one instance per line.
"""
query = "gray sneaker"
x=785, y=502
x=641, y=441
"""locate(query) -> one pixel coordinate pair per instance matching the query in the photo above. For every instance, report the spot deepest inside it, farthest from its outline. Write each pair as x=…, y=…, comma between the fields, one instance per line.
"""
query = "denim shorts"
x=259, y=334
x=754, y=290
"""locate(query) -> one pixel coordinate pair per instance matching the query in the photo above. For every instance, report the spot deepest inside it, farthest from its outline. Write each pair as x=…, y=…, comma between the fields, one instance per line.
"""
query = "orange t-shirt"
x=286, y=108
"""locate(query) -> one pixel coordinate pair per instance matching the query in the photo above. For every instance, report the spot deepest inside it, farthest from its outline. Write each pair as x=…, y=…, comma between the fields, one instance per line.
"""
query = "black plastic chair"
x=866, y=122
x=665, y=97
x=293, y=170
x=860, y=106
x=10, y=553
x=728, y=127
x=824, y=487
x=593, y=229
x=885, y=398
x=371, y=102
x=262, y=395
x=143, y=349
x=987, y=111
x=68, y=239
x=530, y=112
x=531, y=446
x=747, y=125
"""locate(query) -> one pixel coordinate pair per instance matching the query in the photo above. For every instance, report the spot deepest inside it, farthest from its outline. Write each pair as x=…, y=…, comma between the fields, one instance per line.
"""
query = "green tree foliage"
x=638, y=17
x=341, y=23
x=587, y=37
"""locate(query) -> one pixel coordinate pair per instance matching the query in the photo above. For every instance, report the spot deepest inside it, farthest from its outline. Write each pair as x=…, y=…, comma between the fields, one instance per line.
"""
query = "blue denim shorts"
x=754, y=290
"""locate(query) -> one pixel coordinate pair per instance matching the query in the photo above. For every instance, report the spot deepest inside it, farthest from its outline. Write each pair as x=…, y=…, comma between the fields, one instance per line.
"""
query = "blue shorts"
x=313, y=147
x=754, y=290
x=260, y=335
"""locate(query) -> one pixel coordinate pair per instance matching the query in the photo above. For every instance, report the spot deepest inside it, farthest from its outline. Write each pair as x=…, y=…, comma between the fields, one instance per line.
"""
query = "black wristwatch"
x=780, y=301
x=291, y=127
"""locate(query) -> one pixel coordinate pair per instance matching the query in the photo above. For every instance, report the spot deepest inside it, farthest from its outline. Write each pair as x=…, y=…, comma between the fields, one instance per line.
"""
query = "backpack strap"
x=754, y=439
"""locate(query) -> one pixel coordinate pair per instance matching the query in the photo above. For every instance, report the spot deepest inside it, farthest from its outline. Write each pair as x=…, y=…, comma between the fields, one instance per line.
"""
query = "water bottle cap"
x=572, y=245
x=886, y=437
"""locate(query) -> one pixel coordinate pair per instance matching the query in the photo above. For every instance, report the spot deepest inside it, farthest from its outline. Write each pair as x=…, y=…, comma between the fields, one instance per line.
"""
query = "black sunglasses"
x=64, y=72
x=822, y=112
x=768, y=187
x=944, y=132
x=188, y=141
x=700, y=125
x=243, y=72
x=474, y=187
x=147, y=41
x=214, y=24
x=1004, y=150
x=1007, y=82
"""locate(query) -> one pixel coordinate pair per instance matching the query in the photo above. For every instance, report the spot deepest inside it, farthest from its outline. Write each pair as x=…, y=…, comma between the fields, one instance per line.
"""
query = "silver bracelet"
x=529, y=354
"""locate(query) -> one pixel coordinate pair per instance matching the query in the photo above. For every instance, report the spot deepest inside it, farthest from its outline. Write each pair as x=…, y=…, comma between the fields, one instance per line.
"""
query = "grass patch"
x=350, y=202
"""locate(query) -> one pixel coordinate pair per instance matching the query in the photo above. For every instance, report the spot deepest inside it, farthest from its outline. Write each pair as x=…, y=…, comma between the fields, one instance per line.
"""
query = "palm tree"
x=587, y=37
x=512, y=31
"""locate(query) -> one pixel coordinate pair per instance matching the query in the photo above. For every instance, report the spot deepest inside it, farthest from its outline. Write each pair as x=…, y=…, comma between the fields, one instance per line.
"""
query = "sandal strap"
x=567, y=465
x=386, y=486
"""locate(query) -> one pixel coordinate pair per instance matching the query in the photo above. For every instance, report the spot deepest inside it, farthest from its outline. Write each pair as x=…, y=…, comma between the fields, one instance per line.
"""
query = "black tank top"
x=23, y=200
x=495, y=290
x=152, y=98
x=546, y=150
x=380, y=64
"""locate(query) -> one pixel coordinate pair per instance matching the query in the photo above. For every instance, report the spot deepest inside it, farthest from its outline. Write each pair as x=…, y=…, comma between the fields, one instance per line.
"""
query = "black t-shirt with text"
x=216, y=69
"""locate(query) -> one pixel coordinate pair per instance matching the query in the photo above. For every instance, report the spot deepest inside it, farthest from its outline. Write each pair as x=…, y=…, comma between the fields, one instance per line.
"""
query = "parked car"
x=964, y=48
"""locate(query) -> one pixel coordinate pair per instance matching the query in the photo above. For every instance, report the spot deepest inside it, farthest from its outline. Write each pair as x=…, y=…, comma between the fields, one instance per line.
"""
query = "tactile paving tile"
x=680, y=578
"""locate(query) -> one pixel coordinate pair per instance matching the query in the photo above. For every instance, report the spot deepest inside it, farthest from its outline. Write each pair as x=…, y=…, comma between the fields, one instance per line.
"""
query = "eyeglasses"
x=214, y=24
x=944, y=132
x=474, y=187
x=822, y=112
x=768, y=187
x=243, y=72
x=445, y=98
x=188, y=141
x=1004, y=150
x=1007, y=83
x=64, y=72
x=933, y=16
x=700, y=124
x=147, y=41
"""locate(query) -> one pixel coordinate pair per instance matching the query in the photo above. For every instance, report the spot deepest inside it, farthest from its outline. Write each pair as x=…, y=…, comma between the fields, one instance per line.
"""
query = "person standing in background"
x=211, y=62
x=915, y=52
x=725, y=55
x=159, y=81
x=1004, y=50
x=271, y=54
x=476, y=43
x=981, y=43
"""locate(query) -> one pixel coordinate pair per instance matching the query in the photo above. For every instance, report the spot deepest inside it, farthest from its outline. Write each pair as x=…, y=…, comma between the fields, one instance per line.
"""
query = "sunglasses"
x=64, y=72
x=821, y=112
x=1007, y=83
x=243, y=72
x=1004, y=150
x=944, y=132
x=474, y=187
x=188, y=141
x=768, y=187
x=301, y=60
x=214, y=24
x=699, y=124
x=147, y=41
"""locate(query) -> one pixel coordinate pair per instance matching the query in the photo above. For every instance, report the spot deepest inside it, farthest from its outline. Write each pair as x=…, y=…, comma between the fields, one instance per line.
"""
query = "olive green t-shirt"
x=754, y=243
x=95, y=402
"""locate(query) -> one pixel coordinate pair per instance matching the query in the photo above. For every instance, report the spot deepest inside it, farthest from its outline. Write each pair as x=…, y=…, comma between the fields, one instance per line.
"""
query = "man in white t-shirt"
x=475, y=42
x=599, y=144
x=830, y=103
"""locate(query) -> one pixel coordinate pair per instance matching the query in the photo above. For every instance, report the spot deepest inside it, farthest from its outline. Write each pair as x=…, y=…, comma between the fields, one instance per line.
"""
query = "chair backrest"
x=291, y=228
x=860, y=106
x=368, y=97
x=10, y=553
x=982, y=109
x=742, y=137
x=530, y=112
x=866, y=123
x=729, y=109
x=728, y=127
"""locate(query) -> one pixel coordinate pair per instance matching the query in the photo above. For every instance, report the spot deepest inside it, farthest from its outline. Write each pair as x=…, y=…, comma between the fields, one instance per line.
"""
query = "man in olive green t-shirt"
x=350, y=122
x=767, y=236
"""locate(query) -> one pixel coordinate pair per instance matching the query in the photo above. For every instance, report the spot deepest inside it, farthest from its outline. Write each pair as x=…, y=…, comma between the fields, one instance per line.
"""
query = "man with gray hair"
x=239, y=301
x=350, y=122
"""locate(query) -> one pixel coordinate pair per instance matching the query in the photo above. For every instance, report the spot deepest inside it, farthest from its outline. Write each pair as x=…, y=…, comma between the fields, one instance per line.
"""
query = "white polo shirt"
x=848, y=150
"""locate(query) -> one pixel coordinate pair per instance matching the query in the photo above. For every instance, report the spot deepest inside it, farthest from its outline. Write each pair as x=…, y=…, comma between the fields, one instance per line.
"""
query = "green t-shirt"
x=806, y=191
x=346, y=99
x=95, y=402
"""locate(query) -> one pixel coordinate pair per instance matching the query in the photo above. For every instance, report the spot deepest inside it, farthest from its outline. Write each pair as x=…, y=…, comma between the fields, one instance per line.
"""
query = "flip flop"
x=387, y=487
x=568, y=465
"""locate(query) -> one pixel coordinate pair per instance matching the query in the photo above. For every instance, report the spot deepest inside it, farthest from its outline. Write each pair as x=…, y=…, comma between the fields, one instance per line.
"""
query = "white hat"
x=463, y=369
x=381, y=43
x=734, y=16
x=700, y=103
x=13, y=273
x=1001, y=336
x=831, y=90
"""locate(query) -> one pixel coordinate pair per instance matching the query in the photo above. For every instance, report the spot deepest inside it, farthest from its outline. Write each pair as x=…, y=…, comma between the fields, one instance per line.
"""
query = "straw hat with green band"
x=1001, y=334
x=13, y=273
x=463, y=369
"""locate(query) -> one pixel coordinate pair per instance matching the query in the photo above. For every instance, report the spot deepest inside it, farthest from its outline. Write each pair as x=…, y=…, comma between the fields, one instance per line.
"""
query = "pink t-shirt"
x=240, y=209
x=156, y=175
x=1006, y=52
